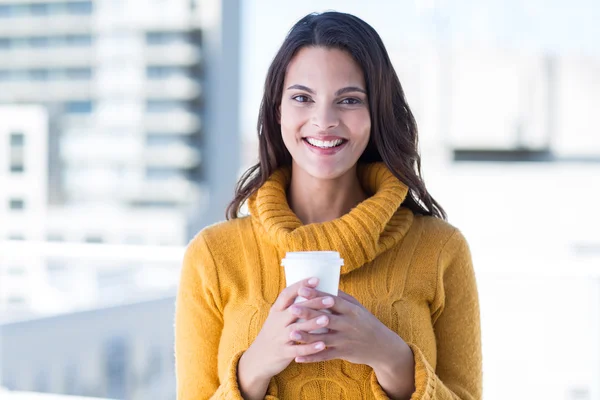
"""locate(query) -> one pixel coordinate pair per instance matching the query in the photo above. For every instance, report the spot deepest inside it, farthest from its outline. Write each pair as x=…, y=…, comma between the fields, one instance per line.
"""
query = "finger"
x=329, y=353
x=297, y=311
x=312, y=324
x=342, y=306
x=289, y=294
x=348, y=298
x=303, y=350
x=301, y=337
x=318, y=303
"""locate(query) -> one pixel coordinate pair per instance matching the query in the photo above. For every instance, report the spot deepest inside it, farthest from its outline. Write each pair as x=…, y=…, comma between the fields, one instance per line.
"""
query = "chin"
x=326, y=172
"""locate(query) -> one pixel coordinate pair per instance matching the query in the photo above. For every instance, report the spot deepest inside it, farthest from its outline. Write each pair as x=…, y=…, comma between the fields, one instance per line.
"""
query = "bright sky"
x=556, y=25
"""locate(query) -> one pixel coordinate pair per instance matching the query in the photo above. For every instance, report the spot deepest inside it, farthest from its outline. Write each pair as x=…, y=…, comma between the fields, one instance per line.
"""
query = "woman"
x=339, y=170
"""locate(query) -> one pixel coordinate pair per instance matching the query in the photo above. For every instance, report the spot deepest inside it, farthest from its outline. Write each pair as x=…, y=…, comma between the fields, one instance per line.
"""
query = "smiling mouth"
x=324, y=144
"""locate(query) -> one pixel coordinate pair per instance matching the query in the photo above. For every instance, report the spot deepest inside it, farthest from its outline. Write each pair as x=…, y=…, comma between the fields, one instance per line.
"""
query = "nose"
x=325, y=117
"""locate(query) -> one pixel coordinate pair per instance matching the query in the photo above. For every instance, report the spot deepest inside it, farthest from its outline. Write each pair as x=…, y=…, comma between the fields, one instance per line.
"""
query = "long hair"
x=393, y=139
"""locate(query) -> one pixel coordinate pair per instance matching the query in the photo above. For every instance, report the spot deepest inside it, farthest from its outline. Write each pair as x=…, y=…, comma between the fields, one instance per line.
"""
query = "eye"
x=351, y=101
x=301, y=98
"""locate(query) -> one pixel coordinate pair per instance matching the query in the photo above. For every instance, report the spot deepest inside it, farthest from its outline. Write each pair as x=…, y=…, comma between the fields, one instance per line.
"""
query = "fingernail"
x=328, y=301
x=295, y=336
x=313, y=281
x=320, y=346
x=322, y=320
x=304, y=292
x=295, y=310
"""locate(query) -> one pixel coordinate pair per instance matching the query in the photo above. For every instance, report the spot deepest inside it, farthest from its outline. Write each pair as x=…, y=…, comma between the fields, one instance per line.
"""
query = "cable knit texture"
x=414, y=273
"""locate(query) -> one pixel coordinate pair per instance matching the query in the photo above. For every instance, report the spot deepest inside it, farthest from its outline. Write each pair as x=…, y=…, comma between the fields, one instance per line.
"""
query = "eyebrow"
x=340, y=92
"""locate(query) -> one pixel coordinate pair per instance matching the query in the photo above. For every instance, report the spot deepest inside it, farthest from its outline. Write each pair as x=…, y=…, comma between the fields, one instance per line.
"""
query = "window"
x=16, y=236
x=39, y=41
x=17, y=143
x=39, y=74
x=39, y=9
x=56, y=8
x=54, y=237
x=15, y=271
x=5, y=10
x=116, y=364
x=165, y=105
x=162, y=72
x=17, y=140
x=17, y=168
x=78, y=73
x=94, y=239
x=165, y=140
x=80, y=7
x=4, y=43
x=158, y=38
x=153, y=204
x=16, y=300
x=79, y=107
x=16, y=204
x=78, y=40
x=159, y=173
x=19, y=10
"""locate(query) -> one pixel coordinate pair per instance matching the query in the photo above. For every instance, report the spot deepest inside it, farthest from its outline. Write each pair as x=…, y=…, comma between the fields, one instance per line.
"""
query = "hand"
x=357, y=336
x=275, y=347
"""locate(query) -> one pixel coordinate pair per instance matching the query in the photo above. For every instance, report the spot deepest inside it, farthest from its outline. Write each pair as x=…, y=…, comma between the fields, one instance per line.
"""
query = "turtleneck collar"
x=372, y=227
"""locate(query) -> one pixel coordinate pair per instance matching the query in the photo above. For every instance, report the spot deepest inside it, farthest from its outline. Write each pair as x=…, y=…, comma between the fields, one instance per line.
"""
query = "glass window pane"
x=5, y=10
x=17, y=169
x=16, y=204
x=39, y=9
x=154, y=38
x=79, y=107
x=80, y=7
x=39, y=41
x=17, y=139
x=165, y=105
x=162, y=72
x=78, y=40
x=161, y=173
x=78, y=73
x=39, y=74
x=165, y=139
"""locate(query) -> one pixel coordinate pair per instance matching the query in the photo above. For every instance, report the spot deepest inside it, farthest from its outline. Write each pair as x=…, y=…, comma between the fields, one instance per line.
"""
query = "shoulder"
x=224, y=230
x=221, y=237
x=442, y=235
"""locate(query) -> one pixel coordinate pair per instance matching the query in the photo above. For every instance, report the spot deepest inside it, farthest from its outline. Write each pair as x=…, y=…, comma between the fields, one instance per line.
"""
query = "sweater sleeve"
x=198, y=326
x=456, y=319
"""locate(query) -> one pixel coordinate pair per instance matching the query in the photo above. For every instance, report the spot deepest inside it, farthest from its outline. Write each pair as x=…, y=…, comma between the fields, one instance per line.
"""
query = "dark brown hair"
x=393, y=139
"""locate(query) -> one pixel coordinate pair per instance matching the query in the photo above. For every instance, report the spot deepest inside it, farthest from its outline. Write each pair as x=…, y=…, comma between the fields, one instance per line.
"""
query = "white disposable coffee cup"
x=324, y=265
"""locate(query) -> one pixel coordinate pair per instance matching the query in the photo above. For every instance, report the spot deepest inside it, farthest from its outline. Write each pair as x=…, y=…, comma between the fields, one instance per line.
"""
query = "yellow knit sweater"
x=414, y=273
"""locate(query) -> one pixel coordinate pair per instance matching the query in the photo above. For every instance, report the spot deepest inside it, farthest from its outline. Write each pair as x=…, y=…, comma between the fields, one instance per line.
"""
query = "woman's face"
x=324, y=113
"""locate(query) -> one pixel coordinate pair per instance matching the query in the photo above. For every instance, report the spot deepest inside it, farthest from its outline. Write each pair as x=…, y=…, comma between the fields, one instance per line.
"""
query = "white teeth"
x=324, y=144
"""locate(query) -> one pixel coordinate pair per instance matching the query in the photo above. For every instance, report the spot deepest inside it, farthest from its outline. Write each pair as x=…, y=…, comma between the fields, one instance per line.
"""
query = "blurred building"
x=122, y=84
x=40, y=279
x=81, y=353
x=23, y=171
x=20, y=395
x=511, y=149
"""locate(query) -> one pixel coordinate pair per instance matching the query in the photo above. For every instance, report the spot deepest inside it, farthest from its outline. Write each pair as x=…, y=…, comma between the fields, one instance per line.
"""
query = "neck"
x=316, y=200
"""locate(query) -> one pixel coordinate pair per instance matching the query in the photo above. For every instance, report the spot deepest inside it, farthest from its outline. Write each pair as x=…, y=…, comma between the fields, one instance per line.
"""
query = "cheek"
x=292, y=119
x=360, y=127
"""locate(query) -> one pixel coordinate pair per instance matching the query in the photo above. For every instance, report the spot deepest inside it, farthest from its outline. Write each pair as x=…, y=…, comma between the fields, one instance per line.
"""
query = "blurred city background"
x=124, y=125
